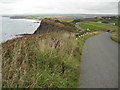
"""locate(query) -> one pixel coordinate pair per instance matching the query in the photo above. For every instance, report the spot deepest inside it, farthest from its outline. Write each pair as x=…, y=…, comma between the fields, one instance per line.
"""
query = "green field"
x=97, y=26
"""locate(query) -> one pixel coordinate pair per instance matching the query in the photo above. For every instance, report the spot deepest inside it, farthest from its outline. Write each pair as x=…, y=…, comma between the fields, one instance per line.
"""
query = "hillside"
x=49, y=25
x=50, y=58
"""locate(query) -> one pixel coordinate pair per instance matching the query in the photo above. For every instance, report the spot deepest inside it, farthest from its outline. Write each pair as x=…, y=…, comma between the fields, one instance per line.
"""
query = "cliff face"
x=48, y=25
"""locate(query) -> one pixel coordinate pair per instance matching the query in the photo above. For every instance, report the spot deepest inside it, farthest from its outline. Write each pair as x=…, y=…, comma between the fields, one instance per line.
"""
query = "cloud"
x=57, y=6
x=109, y=7
x=9, y=1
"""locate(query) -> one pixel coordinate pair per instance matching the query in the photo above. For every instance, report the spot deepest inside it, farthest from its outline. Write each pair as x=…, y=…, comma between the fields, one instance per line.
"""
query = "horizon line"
x=62, y=14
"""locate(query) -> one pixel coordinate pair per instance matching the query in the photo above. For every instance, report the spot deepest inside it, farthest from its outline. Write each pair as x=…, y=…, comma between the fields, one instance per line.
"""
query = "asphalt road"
x=77, y=26
x=99, y=64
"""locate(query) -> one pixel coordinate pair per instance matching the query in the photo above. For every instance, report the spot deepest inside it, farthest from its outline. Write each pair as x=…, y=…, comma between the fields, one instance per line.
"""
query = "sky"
x=58, y=7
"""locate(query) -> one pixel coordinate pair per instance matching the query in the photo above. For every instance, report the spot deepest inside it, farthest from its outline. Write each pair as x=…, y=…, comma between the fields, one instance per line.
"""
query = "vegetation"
x=77, y=20
x=42, y=61
x=115, y=37
x=93, y=24
x=49, y=60
x=68, y=22
x=50, y=25
x=97, y=26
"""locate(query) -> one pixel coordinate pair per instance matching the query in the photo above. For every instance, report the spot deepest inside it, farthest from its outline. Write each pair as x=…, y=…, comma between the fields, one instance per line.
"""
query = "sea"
x=12, y=28
x=9, y=28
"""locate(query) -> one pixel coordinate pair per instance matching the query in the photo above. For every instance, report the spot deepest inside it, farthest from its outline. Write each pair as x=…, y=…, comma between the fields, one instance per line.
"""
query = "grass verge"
x=115, y=37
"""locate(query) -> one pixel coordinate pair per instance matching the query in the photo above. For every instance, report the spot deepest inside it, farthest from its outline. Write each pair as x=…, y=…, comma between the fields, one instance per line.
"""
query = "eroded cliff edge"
x=49, y=25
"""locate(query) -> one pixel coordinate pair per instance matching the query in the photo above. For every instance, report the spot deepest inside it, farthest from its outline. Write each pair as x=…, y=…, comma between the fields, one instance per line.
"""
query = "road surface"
x=99, y=63
x=77, y=26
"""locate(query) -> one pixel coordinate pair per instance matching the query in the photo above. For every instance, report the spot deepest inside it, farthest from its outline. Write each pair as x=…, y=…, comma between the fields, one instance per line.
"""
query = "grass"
x=60, y=24
x=48, y=60
x=97, y=26
x=42, y=61
x=38, y=62
x=62, y=20
x=66, y=20
x=115, y=37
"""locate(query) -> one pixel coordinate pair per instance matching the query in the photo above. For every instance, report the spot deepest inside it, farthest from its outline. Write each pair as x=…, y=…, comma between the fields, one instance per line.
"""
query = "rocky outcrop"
x=49, y=25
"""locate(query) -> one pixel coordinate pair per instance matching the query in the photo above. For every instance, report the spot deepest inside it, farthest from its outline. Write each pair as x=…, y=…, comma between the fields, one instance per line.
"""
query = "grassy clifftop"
x=41, y=61
x=50, y=25
x=48, y=58
x=45, y=60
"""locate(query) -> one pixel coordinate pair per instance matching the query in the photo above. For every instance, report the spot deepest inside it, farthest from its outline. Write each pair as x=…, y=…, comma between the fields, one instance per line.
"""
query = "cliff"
x=49, y=25
x=43, y=60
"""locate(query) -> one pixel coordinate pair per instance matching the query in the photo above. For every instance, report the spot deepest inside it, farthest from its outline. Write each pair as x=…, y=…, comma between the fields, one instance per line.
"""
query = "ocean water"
x=9, y=28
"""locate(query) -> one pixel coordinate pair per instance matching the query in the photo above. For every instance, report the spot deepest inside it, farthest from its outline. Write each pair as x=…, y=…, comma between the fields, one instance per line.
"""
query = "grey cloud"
x=58, y=6
x=9, y=1
x=108, y=7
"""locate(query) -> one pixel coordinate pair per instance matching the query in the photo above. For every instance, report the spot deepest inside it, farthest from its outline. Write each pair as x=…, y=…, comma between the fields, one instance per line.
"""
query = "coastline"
x=6, y=36
x=26, y=18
